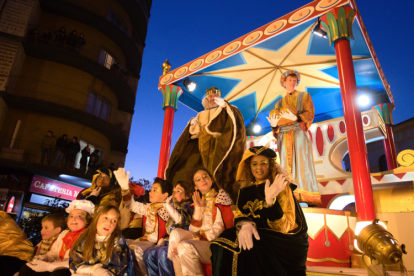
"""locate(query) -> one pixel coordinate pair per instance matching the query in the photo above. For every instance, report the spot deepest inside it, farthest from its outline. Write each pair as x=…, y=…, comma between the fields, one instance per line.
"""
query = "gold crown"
x=214, y=90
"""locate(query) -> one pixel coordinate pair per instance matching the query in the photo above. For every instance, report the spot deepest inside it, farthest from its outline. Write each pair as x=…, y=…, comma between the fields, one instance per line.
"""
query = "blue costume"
x=155, y=258
x=118, y=264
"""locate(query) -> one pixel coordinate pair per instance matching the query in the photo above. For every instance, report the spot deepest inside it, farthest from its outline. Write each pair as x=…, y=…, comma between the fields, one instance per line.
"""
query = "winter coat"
x=85, y=155
x=62, y=144
x=74, y=147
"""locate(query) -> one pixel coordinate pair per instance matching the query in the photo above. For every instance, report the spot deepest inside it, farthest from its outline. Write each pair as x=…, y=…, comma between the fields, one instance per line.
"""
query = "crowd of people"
x=60, y=38
x=187, y=227
x=65, y=152
x=186, y=224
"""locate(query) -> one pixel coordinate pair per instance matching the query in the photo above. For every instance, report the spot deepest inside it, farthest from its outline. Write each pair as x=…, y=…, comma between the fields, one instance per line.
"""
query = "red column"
x=170, y=94
x=166, y=141
x=389, y=147
x=355, y=134
x=385, y=111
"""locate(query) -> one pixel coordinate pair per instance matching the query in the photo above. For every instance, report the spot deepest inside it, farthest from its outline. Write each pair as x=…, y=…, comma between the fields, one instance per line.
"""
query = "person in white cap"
x=56, y=261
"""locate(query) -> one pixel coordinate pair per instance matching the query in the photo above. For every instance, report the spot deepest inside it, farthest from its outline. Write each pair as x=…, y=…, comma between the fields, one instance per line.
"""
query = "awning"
x=248, y=69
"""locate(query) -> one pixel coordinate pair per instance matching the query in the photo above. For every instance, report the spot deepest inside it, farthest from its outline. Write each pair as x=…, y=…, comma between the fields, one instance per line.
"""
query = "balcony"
x=47, y=44
x=59, y=101
x=139, y=13
x=23, y=154
x=132, y=49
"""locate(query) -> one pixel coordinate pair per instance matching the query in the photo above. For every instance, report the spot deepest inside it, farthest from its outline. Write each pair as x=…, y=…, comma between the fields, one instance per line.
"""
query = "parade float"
x=327, y=43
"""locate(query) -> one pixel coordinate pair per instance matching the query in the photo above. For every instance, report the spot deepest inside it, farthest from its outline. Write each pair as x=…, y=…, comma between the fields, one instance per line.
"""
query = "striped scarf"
x=45, y=245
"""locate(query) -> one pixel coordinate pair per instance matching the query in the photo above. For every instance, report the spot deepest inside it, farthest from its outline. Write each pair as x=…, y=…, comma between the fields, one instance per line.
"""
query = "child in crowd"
x=155, y=214
x=131, y=223
x=158, y=259
x=212, y=215
x=52, y=225
x=56, y=261
x=101, y=250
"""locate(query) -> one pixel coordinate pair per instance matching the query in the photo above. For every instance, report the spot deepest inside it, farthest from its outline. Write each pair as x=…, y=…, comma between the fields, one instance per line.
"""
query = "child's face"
x=179, y=193
x=290, y=83
x=203, y=181
x=107, y=223
x=76, y=220
x=156, y=195
x=48, y=230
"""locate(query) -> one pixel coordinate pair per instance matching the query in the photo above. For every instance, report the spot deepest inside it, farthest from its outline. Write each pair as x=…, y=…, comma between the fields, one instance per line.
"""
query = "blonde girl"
x=101, y=250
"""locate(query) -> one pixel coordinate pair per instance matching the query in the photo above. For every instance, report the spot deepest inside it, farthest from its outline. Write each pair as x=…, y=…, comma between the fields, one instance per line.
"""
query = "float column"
x=385, y=110
x=171, y=93
x=338, y=24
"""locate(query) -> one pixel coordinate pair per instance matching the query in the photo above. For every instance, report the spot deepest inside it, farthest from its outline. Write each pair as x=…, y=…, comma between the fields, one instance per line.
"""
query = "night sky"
x=184, y=30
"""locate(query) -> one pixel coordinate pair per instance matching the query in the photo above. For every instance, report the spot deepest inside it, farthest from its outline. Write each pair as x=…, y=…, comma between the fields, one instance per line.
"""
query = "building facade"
x=68, y=67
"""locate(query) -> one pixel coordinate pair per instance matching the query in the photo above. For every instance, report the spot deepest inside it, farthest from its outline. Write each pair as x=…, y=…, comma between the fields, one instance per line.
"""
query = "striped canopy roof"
x=248, y=69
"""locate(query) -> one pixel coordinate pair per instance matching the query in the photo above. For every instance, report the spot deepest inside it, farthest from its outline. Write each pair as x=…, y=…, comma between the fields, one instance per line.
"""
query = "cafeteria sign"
x=46, y=186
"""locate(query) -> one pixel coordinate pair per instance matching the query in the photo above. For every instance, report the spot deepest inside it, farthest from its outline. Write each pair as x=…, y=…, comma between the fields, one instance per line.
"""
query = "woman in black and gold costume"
x=104, y=190
x=270, y=234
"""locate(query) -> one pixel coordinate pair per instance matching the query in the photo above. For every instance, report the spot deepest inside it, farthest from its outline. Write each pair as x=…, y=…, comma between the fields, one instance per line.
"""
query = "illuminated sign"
x=46, y=186
x=10, y=205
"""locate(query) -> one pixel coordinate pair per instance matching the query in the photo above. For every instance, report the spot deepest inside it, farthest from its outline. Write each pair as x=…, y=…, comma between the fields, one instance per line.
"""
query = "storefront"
x=43, y=191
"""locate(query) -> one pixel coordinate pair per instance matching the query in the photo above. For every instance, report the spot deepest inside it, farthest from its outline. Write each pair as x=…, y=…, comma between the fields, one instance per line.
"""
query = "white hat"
x=81, y=204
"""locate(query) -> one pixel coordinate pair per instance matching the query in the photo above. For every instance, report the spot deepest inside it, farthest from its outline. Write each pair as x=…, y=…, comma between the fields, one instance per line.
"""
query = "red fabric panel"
x=338, y=250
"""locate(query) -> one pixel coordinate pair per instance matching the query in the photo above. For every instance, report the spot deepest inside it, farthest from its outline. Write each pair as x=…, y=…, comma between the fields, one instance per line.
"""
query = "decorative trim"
x=338, y=23
x=196, y=223
x=316, y=141
x=171, y=93
x=328, y=212
x=328, y=260
x=230, y=112
x=215, y=115
x=369, y=120
x=272, y=29
x=327, y=133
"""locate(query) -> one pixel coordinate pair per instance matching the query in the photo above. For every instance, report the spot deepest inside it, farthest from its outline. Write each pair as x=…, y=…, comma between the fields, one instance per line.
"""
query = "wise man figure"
x=215, y=138
x=290, y=121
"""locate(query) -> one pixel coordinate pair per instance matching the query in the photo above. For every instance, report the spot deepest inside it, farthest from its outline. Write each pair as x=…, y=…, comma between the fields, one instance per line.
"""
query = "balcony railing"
x=55, y=158
x=46, y=91
x=110, y=17
x=25, y=89
x=83, y=48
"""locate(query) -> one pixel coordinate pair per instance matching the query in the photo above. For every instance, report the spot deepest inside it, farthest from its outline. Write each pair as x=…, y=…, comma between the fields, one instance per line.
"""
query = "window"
x=105, y=59
x=114, y=19
x=40, y=199
x=98, y=107
x=383, y=166
x=84, y=144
